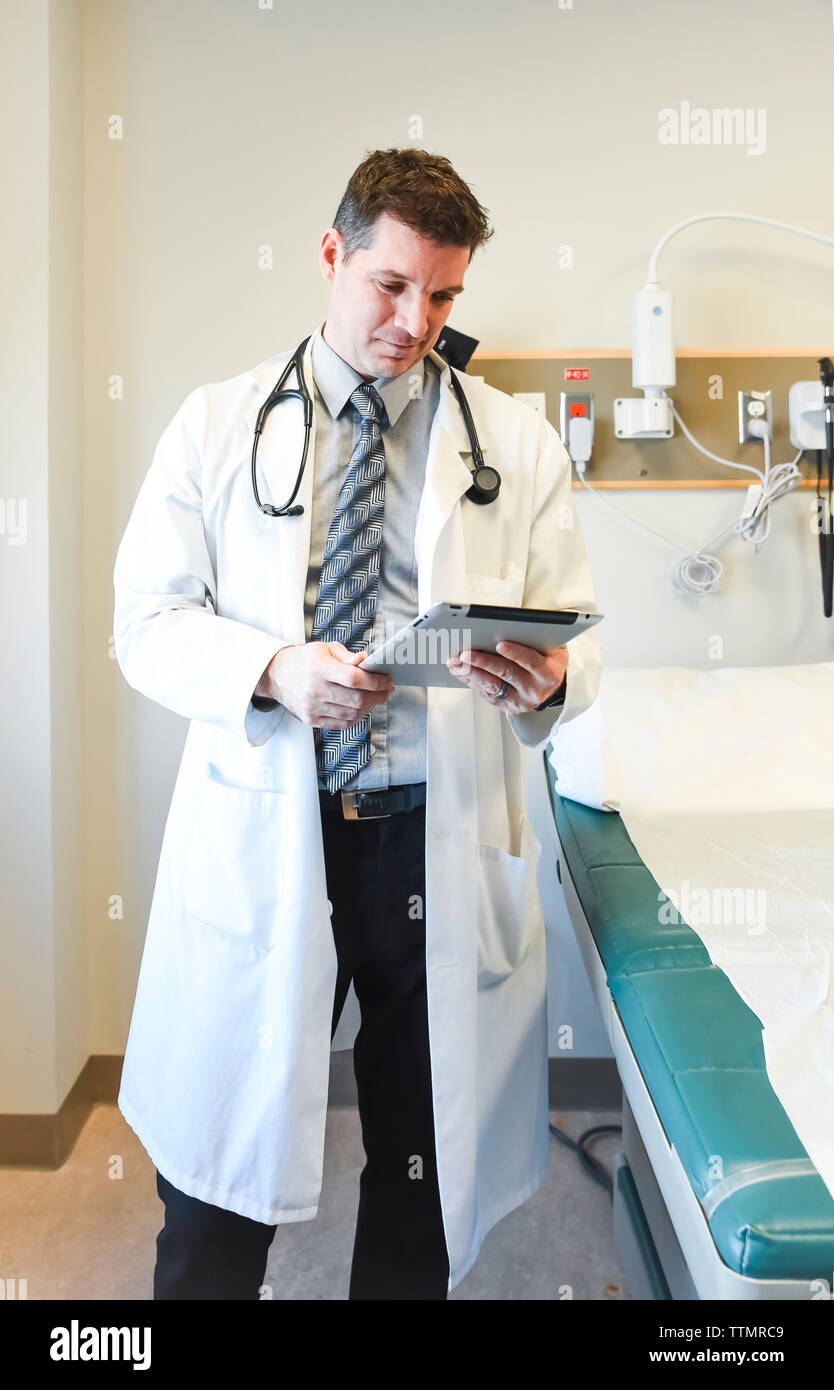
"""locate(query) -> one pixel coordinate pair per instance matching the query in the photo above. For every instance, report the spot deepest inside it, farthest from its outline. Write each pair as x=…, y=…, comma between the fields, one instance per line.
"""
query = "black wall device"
x=455, y=348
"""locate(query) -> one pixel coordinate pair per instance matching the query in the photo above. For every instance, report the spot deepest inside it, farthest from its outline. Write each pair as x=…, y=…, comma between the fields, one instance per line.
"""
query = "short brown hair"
x=422, y=190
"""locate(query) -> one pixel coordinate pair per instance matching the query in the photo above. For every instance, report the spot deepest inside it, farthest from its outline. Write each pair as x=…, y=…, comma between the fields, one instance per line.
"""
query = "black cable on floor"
x=592, y=1165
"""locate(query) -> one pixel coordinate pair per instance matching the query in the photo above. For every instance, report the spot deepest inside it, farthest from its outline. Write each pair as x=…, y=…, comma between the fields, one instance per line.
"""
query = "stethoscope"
x=485, y=480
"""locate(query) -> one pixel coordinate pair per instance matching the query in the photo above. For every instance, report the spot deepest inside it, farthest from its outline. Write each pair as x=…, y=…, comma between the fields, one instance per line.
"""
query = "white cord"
x=733, y=217
x=754, y=524
x=700, y=572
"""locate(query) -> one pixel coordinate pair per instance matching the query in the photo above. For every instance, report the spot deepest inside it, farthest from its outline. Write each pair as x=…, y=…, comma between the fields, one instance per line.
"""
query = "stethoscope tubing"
x=480, y=492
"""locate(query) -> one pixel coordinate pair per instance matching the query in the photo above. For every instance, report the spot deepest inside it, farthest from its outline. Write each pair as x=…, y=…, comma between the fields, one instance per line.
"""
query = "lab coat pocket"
x=235, y=861
x=509, y=911
x=488, y=588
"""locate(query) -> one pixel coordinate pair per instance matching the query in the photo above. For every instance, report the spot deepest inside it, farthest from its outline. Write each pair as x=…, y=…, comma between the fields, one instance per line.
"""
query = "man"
x=327, y=825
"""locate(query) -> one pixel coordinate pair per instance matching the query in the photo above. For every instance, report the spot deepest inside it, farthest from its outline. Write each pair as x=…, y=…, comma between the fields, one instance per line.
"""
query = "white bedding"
x=725, y=783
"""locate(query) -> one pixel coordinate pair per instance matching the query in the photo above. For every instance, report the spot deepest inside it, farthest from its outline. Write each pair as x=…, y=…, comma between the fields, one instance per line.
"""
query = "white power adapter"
x=751, y=502
x=580, y=441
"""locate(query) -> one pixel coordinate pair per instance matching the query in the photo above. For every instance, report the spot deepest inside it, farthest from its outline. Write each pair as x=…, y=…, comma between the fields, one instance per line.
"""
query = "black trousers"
x=376, y=884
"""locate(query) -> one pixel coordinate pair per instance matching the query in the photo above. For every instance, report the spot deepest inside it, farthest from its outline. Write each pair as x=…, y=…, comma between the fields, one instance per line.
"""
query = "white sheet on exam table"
x=725, y=784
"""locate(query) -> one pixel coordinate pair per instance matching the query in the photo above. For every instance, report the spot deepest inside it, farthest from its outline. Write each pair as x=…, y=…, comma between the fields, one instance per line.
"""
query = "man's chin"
x=396, y=362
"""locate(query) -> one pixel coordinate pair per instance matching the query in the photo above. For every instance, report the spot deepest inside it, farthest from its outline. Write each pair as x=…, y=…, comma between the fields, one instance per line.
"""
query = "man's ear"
x=330, y=251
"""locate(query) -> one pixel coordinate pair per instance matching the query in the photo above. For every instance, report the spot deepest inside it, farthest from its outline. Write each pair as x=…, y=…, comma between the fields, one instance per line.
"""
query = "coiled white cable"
x=699, y=572
x=754, y=523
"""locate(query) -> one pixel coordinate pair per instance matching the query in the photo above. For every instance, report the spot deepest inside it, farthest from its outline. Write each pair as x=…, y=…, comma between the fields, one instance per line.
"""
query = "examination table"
x=714, y=1195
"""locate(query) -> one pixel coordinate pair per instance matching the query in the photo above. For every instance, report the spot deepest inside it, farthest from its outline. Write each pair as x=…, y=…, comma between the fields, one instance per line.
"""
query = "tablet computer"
x=417, y=654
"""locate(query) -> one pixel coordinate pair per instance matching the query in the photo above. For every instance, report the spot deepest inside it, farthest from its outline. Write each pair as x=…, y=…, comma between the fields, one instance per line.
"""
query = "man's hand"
x=322, y=684
x=531, y=676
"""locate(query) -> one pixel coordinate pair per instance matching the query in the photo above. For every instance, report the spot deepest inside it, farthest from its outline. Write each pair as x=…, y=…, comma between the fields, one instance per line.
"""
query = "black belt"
x=373, y=805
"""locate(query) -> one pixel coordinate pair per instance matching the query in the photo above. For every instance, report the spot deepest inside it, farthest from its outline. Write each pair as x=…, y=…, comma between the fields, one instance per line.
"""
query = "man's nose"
x=413, y=318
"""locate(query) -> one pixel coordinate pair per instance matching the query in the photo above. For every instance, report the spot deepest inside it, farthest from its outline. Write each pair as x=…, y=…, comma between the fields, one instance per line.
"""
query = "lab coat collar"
x=440, y=569
x=263, y=377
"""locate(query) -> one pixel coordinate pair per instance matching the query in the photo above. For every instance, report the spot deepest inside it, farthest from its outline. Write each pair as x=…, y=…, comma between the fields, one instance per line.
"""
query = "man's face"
x=389, y=302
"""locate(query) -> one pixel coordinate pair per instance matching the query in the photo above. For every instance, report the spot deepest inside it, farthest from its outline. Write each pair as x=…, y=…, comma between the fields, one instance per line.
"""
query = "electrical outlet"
x=573, y=404
x=537, y=399
x=754, y=405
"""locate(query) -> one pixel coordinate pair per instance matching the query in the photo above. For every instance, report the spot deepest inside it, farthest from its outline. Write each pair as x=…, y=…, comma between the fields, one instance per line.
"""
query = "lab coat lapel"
x=279, y=457
x=441, y=568
x=451, y=762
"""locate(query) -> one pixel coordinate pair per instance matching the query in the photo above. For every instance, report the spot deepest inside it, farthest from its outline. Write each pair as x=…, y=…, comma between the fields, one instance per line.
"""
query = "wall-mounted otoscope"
x=825, y=516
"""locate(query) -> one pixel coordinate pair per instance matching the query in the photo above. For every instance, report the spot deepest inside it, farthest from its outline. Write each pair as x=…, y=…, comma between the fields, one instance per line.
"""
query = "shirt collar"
x=337, y=380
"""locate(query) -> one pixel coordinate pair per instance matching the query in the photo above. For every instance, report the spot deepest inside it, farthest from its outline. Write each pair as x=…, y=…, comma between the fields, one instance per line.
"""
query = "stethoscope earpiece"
x=269, y=510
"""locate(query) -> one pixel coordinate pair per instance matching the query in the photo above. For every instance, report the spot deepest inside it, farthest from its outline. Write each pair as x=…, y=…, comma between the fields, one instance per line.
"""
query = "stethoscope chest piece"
x=485, y=484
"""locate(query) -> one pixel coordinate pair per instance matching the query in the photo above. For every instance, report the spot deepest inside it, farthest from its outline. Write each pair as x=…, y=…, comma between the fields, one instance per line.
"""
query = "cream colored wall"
x=44, y=1039
x=241, y=125
x=27, y=1022
x=71, y=737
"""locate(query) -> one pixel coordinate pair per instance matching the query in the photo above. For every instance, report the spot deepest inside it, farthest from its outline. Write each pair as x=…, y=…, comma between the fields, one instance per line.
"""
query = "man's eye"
x=391, y=289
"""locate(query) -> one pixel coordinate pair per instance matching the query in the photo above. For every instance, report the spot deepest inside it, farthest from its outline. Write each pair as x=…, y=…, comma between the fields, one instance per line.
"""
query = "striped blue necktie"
x=348, y=582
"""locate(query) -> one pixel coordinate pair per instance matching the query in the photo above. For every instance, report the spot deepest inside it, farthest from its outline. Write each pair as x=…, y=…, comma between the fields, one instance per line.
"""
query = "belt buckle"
x=350, y=812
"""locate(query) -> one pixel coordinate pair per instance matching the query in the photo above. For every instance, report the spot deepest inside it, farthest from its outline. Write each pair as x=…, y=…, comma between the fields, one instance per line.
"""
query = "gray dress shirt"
x=398, y=727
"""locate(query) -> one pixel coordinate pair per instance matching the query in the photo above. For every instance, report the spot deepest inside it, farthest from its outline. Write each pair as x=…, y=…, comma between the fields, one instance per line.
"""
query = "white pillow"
x=672, y=738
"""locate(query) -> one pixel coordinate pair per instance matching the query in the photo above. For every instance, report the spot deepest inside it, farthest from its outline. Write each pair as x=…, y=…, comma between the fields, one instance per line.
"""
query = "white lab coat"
x=226, y=1068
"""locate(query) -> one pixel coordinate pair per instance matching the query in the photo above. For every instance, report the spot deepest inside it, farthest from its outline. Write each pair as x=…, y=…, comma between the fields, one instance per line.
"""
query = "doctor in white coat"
x=225, y=1078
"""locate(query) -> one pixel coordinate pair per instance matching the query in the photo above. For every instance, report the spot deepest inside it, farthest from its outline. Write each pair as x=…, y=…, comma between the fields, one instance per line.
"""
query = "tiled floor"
x=79, y=1232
